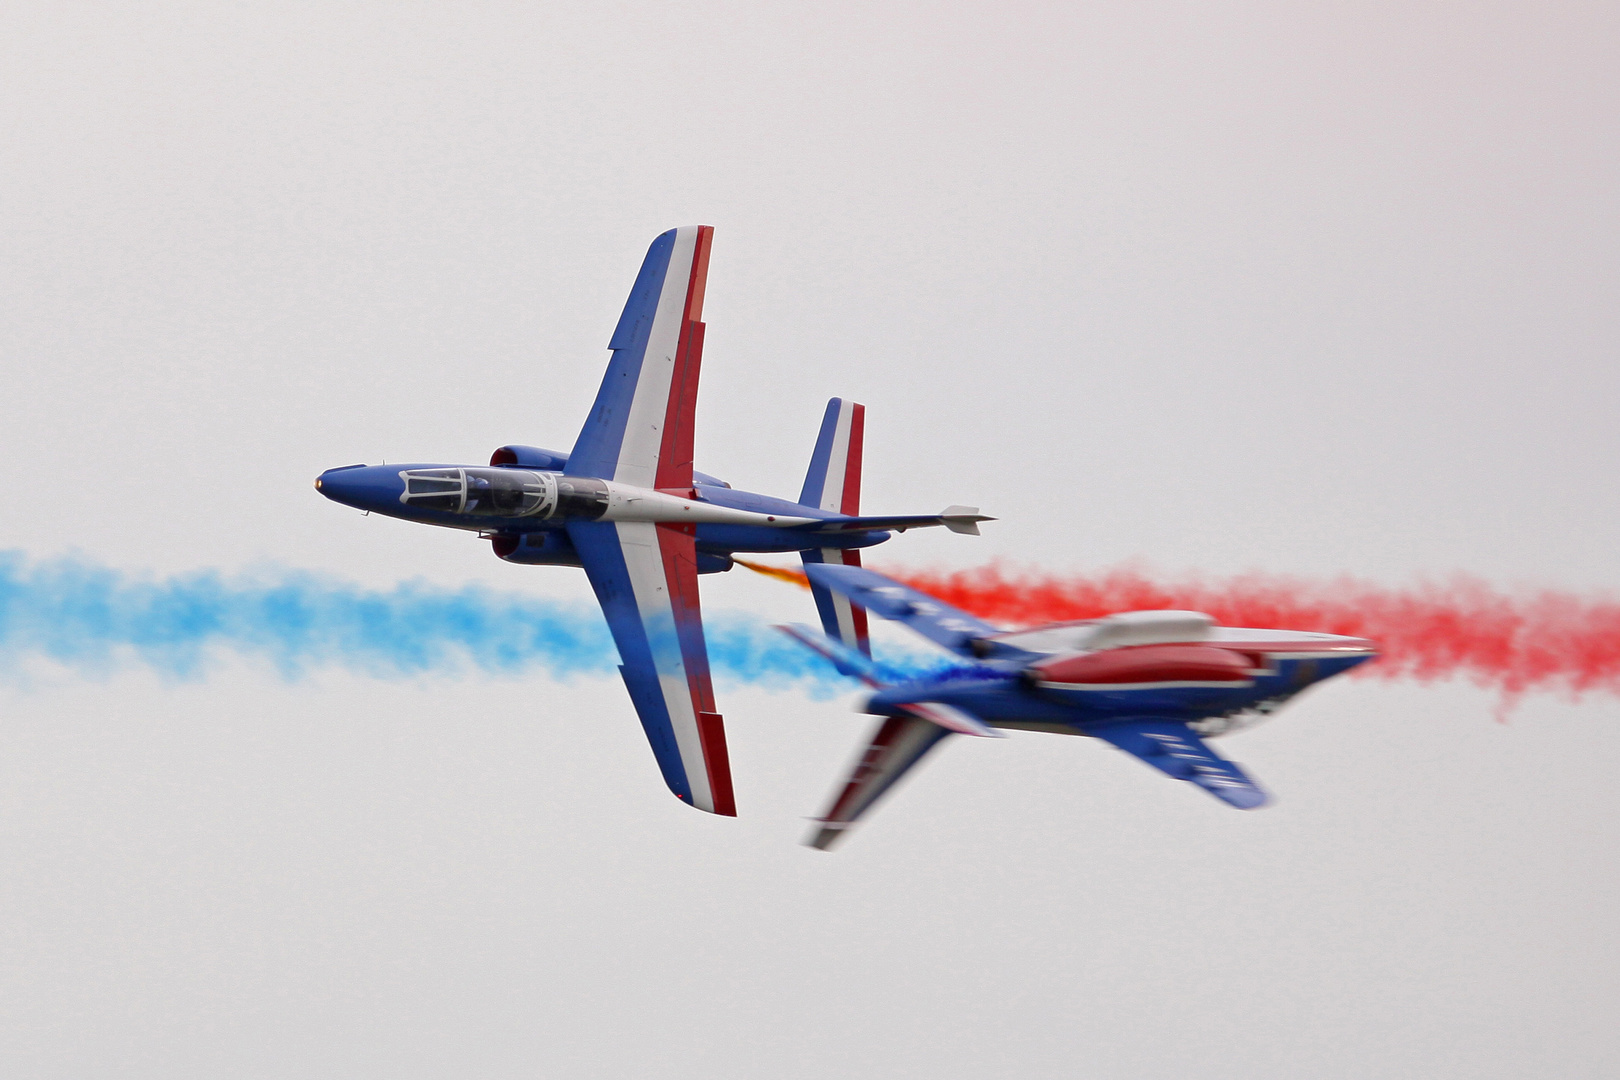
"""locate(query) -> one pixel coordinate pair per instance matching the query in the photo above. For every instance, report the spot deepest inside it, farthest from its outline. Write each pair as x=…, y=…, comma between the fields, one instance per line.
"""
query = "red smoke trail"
x=1509, y=643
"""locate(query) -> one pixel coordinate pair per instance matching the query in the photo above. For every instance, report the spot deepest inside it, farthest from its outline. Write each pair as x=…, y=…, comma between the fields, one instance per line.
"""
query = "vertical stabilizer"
x=834, y=483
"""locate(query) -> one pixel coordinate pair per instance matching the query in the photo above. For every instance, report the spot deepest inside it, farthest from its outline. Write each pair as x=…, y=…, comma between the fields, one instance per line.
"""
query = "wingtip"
x=723, y=807
x=1243, y=798
x=963, y=519
x=827, y=833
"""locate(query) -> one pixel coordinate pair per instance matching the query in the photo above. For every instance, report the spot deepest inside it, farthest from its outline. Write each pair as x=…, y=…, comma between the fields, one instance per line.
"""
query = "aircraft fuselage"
x=525, y=511
x=1273, y=673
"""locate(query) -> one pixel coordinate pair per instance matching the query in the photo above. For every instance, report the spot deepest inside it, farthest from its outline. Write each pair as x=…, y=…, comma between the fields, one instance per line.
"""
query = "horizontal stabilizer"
x=958, y=519
x=1171, y=747
x=847, y=660
x=936, y=621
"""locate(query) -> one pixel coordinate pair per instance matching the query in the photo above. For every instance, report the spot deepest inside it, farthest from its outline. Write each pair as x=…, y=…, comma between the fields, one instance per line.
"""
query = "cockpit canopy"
x=491, y=492
x=504, y=493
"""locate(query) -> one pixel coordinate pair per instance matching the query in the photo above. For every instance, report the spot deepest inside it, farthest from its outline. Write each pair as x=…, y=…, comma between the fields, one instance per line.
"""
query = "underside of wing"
x=1174, y=749
x=645, y=577
x=639, y=431
x=898, y=743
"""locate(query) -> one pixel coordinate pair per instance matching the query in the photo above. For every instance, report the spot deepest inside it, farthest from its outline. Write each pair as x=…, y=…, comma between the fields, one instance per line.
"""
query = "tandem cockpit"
x=504, y=493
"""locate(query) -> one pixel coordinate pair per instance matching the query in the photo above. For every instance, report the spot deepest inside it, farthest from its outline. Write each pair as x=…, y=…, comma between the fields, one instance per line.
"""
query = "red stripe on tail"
x=851, y=502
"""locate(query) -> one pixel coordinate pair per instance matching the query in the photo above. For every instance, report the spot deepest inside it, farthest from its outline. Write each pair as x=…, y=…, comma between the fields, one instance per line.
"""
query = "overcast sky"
x=1319, y=289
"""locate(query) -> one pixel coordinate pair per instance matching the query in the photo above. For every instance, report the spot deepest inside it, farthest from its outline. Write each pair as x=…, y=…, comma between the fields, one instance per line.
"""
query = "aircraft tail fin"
x=834, y=483
x=842, y=618
x=834, y=480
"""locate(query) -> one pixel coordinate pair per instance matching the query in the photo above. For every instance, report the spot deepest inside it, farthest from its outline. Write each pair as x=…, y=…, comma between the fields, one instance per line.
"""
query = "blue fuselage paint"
x=378, y=489
x=1013, y=699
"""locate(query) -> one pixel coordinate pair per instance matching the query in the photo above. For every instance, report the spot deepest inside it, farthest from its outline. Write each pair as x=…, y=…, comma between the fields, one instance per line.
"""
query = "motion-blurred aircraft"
x=626, y=505
x=1153, y=683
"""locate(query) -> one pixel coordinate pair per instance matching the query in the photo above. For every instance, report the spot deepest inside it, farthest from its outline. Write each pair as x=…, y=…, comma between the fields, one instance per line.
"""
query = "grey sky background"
x=1214, y=287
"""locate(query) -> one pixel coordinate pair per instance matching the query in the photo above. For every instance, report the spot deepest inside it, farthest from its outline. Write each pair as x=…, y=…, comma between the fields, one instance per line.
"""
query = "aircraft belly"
x=996, y=705
x=1072, y=711
x=1166, y=700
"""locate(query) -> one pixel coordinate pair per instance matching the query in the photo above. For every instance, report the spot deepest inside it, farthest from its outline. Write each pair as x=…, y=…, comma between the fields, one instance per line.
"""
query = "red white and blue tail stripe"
x=834, y=483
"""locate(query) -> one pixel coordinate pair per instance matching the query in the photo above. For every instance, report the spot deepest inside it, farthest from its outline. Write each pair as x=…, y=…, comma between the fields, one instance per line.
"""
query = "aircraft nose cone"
x=360, y=486
x=334, y=485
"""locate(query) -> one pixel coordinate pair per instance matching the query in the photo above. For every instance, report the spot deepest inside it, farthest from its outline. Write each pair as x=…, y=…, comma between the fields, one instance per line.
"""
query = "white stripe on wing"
x=644, y=427
x=644, y=561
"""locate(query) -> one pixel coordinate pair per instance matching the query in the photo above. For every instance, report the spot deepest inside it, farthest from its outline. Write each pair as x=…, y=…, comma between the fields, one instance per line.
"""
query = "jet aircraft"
x=626, y=505
x=1153, y=683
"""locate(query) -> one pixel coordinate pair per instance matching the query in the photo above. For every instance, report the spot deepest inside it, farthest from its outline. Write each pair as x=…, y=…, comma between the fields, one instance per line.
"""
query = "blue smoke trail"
x=94, y=619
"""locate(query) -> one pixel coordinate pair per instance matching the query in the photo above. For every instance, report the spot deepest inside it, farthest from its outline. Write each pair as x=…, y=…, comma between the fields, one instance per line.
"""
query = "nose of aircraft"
x=364, y=487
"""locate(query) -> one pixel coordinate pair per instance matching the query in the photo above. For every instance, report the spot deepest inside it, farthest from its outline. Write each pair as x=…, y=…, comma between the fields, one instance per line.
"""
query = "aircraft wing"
x=898, y=743
x=639, y=431
x=1174, y=749
x=934, y=620
x=645, y=577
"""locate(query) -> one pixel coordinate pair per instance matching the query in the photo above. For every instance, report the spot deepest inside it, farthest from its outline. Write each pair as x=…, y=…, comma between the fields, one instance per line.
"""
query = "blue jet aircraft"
x=1152, y=683
x=626, y=505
